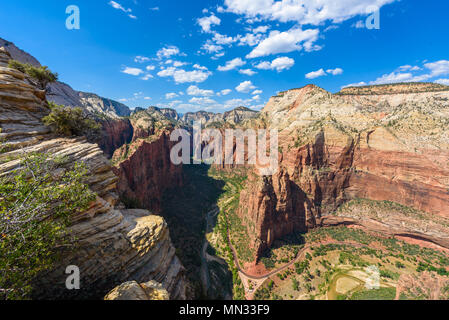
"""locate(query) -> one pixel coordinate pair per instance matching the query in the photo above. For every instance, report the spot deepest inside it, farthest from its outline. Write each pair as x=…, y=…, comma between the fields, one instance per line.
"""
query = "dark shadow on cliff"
x=185, y=209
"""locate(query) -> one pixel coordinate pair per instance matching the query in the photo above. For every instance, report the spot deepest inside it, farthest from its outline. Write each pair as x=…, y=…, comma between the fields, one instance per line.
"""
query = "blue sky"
x=217, y=55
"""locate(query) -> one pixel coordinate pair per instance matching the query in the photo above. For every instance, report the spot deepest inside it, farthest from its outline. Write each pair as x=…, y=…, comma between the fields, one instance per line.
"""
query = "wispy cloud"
x=118, y=6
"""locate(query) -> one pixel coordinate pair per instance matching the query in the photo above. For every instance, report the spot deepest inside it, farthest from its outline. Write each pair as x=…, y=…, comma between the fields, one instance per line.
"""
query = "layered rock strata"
x=112, y=245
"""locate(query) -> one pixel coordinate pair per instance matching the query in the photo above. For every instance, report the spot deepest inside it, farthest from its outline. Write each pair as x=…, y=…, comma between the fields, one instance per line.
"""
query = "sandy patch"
x=345, y=285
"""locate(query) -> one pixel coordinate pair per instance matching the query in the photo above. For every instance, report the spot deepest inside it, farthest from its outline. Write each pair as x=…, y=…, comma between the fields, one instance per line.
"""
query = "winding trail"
x=259, y=280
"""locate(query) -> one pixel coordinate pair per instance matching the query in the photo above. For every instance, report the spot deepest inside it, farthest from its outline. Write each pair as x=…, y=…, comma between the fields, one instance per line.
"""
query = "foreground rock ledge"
x=131, y=290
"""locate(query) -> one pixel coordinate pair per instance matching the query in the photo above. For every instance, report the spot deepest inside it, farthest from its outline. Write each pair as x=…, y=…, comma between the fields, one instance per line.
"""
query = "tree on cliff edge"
x=37, y=202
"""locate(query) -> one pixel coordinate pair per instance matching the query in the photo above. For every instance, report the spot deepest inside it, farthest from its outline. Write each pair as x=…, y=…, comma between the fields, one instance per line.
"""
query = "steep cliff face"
x=144, y=167
x=115, y=133
x=390, y=147
x=113, y=245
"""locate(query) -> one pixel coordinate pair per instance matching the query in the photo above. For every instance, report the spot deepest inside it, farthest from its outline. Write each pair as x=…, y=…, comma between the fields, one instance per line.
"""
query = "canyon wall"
x=113, y=245
x=333, y=148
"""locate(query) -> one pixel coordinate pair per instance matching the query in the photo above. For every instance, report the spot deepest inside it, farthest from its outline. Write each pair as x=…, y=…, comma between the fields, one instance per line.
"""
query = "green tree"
x=71, y=121
x=37, y=201
x=42, y=75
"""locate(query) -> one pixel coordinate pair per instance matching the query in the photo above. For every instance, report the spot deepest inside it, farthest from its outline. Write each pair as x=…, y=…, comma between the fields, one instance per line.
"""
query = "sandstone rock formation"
x=131, y=290
x=116, y=130
x=115, y=133
x=334, y=148
x=144, y=167
x=113, y=245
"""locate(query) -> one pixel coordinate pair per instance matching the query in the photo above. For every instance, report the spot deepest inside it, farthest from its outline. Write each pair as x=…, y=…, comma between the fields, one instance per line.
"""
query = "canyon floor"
x=330, y=263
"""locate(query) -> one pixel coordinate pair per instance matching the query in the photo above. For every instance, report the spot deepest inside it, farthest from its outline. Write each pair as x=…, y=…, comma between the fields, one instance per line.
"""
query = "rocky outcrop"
x=113, y=245
x=333, y=148
x=394, y=88
x=235, y=116
x=131, y=290
x=62, y=93
x=144, y=167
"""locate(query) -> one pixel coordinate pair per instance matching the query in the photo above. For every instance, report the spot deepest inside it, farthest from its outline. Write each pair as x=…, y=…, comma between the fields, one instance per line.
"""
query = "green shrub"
x=36, y=203
x=42, y=74
x=71, y=121
x=375, y=294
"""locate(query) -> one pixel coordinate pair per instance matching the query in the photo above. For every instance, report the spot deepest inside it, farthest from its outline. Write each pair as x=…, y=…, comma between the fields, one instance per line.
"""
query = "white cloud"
x=195, y=91
x=359, y=84
x=118, y=6
x=197, y=66
x=234, y=103
x=132, y=71
x=146, y=77
x=250, y=39
x=179, y=63
x=438, y=68
x=256, y=97
x=223, y=39
x=203, y=100
x=248, y=72
x=321, y=73
x=168, y=72
x=256, y=92
x=392, y=78
x=141, y=59
x=182, y=76
x=443, y=81
x=207, y=22
x=335, y=72
x=409, y=68
x=232, y=64
x=278, y=64
x=303, y=12
x=408, y=73
x=294, y=39
x=147, y=98
x=209, y=47
x=171, y=95
x=150, y=68
x=225, y=92
x=245, y=87
x=261, y=29
x=154, y=9
x=167, y=52
x=315, y=74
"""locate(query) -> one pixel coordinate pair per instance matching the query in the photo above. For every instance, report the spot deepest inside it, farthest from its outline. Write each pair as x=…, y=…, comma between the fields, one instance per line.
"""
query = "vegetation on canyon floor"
x=335, y=267
x=36, y=203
